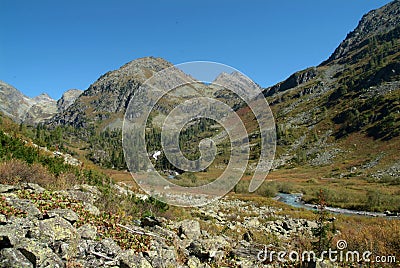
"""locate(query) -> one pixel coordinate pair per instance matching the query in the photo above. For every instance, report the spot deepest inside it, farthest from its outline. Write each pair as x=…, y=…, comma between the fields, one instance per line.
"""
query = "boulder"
x=66, y=214
x=209, y=249
x=161, y=255
x=16, y=229
x=88, y=231
x=92, y=209
x=57, y=229
x=81, y=195
x=39, y=254
x=89, y=189
x=8, y=188
x=13, y=258
x=189, y=228
x=194, y=262
x=25, y=205
x=131, y=259
x=3, y=219
x=106, y=247
x=110, y=247
x=34, y=187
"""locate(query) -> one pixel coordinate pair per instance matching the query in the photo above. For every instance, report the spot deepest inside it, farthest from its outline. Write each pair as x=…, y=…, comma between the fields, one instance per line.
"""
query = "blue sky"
x=51, y=46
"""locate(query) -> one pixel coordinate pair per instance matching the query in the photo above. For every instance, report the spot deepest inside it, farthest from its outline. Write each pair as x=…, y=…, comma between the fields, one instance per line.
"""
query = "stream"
x=295, y=200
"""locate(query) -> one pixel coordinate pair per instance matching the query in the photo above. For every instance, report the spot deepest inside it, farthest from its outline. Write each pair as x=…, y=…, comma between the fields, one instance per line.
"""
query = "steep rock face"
x=294, y=80
x=43, y=108
x=24, y=109
x=110, y=94
x=68, y=98
x=12, y=102
x=375, y=22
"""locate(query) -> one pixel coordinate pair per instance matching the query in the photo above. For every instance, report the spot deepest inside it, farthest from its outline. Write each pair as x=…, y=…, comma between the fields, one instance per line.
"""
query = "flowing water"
x=295, y=200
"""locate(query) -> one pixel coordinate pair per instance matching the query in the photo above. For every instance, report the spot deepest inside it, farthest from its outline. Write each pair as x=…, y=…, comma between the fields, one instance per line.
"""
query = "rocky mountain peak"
x=43, y=97
x=234, y=80
x=375, y=22
x=24, y=109
x=68, y=98
x=110, y=93
x=140, y=69
x=151, y=63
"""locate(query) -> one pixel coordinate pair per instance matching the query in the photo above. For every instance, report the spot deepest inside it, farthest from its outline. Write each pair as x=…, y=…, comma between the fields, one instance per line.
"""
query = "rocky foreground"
x=40, y=228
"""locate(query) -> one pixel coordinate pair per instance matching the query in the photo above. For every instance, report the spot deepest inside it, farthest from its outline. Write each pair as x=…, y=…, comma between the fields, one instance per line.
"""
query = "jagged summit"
x=68, y=98
x=21, y=108
x=378, y=21
x=43, y=97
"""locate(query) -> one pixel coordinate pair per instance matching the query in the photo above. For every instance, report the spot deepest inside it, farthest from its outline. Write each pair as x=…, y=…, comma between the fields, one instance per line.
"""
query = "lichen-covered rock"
x=161, y=255
x=109, y=247
x=3, y=219
x=16, y=229
x=57, y=229
x=13, y=258
x=88, y=231
x=106, y=247
x=34, y=187
x=92, y=209
x=93, y=190
x=8, y=188
x=131, y=259
x=39, y=254
x=194, y=262
x=66, y=214
x=85, y=197
x=25, y=205
x=190, y=228
x=52, y=240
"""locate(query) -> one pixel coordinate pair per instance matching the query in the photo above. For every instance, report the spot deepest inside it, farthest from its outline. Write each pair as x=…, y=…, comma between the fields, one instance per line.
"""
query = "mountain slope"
x=339, y=117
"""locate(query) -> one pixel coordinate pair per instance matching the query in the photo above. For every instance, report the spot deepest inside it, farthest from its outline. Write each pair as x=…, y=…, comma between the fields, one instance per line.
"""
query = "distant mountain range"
x=33, y=110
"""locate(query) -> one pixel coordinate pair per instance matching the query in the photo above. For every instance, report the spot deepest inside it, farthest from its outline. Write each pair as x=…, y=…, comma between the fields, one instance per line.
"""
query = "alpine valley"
x=69, y=200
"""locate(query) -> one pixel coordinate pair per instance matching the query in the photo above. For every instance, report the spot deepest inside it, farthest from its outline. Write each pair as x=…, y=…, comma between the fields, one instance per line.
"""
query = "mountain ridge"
x=38, y=109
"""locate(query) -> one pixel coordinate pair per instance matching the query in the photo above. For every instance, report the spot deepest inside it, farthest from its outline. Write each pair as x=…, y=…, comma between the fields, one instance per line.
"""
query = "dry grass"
x=380, y=236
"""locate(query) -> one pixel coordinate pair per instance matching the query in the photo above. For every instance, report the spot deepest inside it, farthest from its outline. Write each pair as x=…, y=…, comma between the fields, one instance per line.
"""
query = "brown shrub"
x=14, y=171
x=64, y=181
